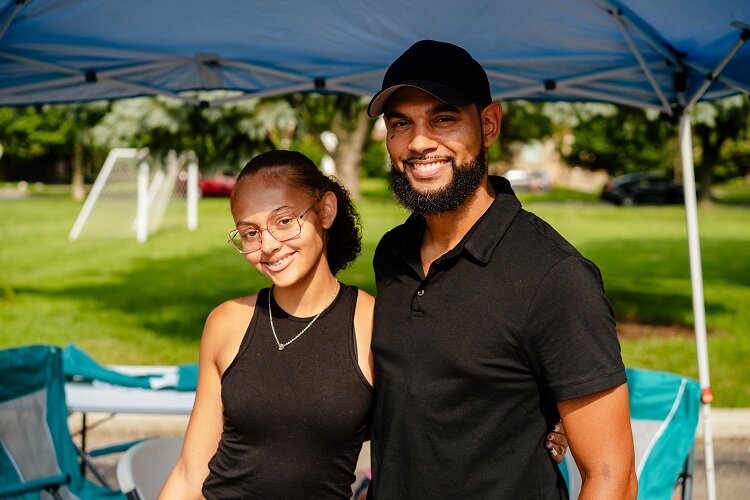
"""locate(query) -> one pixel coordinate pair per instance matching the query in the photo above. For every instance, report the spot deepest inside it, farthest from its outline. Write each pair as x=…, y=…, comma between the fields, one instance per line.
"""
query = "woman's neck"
x=307, y=297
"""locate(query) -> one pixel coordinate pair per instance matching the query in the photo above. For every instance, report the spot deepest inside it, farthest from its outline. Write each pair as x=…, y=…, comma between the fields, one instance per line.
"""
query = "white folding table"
x=100, y=397
x=105, y=398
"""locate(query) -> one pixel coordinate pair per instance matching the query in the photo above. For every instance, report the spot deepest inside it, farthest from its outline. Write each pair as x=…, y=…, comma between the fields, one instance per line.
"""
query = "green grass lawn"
x=125, y=302
x=733, y=192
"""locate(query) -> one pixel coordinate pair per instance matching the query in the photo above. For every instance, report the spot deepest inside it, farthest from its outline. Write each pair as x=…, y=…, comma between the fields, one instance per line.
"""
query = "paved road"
x=732, y=457
x=732, y=469
x=731, y=449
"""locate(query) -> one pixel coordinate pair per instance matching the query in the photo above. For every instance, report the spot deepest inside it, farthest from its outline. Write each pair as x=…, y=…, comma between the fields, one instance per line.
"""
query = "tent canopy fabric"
x=650, y=54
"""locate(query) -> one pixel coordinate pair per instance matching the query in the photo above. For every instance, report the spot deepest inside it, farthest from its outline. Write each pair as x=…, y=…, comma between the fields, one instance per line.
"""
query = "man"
x=489, y=326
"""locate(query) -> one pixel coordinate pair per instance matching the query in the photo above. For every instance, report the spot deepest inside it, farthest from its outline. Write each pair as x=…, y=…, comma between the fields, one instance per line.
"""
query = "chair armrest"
x=42, y=483
x=115, y=448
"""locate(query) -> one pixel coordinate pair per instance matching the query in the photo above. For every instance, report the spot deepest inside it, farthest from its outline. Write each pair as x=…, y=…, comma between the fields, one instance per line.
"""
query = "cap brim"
x=443, y=92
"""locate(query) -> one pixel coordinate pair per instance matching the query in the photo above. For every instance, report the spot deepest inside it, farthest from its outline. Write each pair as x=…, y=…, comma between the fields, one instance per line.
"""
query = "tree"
x=35, y=138
x=721, y=128
x=621, y=140
x=81, y=118
x=523, y=121
x=344, y=115
x=223, y=138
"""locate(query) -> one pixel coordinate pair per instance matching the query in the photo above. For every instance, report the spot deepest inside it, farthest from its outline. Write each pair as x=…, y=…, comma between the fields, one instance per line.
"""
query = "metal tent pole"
x=699, y=309
x=5, y=23
x=696, y=273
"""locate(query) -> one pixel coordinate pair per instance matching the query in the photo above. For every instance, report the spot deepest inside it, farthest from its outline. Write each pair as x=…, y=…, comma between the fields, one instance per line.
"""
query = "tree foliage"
x=39, y=140
x=523, y=121
x=346, y=116
x=722, y=130
x=621, y=140
x=36, y=139
x=223, y=138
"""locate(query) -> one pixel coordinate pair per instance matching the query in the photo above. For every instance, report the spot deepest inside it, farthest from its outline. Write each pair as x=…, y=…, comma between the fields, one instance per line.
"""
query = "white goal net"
x=134, y=196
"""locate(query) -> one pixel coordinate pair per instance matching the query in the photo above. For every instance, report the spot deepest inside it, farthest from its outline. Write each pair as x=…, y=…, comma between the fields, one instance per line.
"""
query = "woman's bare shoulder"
x=363, y=313
x=233, y=307
x=229, y=316
x=225, y=327
x=365, y=302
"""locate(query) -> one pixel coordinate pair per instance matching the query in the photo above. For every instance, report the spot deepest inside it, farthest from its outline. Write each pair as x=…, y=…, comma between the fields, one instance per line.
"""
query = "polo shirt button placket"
x=416, y=305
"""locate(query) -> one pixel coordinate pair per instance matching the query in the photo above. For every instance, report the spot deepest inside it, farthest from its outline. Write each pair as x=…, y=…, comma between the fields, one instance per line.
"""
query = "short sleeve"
x=572, y=337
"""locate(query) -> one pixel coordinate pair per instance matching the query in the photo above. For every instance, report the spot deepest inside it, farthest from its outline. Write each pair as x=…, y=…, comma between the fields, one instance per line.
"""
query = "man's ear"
x=327, y=209
x=492, y=116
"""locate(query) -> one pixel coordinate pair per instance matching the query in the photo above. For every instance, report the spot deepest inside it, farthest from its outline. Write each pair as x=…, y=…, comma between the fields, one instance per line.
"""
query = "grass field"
x=124, y=302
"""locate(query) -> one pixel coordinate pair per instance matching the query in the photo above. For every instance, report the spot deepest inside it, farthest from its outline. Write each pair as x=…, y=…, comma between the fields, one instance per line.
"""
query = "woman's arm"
x=220, y=341
x=363, y=314
x=601, y=440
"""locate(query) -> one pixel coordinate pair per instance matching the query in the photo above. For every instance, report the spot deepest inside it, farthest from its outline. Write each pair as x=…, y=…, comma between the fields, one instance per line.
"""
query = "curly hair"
x=344, y=237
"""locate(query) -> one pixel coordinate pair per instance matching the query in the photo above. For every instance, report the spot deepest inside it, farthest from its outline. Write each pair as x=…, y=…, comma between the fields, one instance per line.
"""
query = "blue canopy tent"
x=665, y=55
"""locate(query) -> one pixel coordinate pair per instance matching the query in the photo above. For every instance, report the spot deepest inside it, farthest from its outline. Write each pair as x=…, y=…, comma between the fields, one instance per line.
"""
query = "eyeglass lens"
x=282, y=227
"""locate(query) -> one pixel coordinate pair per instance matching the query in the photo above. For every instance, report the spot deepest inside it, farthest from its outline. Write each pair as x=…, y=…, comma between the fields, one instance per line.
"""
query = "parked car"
x=217, y=185
x=528, y=180
x=643, y=187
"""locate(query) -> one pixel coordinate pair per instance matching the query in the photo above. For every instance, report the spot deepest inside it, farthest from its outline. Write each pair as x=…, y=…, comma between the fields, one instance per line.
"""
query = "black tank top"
x=294, y=420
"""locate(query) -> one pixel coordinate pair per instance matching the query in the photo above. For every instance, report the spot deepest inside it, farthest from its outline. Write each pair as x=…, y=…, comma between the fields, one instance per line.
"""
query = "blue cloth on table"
x=78, y=364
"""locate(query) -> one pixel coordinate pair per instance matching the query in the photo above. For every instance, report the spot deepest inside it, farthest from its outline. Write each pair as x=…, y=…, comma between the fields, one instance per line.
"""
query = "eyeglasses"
x=283, y=227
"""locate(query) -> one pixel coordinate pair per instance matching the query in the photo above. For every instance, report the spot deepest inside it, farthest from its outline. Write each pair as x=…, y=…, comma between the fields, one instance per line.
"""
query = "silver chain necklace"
x=270, y=317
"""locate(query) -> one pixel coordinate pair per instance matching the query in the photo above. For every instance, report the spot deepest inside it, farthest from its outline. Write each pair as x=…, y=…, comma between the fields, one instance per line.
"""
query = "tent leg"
x=699, y=308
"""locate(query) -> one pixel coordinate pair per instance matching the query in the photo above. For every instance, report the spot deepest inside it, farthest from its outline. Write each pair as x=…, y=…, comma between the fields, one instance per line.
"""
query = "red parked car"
x=217, y=185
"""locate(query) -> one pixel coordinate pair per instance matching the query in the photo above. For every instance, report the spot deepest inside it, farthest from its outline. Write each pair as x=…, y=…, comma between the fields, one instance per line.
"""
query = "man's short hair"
x=442, y=69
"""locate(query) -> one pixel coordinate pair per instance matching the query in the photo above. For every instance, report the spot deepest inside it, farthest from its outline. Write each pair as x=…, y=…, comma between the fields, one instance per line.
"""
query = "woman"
x=285, y=375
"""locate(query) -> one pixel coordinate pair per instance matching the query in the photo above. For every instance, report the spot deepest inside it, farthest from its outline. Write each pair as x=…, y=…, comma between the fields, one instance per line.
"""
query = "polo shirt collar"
x=409, y=249
x=486, y=233
x=482, y=238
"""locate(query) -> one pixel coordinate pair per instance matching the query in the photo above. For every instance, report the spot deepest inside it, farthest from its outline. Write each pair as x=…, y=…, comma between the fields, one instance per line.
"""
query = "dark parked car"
x=219, y=184
x=643, y=187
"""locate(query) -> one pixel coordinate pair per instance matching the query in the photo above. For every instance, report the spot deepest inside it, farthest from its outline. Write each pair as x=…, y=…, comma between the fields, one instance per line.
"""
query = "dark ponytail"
x=344, y=237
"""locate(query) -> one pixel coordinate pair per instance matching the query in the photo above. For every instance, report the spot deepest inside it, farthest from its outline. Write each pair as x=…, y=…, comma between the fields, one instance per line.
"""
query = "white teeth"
x=427, y=167
x=277, y=263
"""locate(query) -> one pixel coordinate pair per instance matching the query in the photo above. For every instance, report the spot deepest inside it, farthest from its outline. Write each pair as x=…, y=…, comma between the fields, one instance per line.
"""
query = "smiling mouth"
x=278, y=263
x=425, y=167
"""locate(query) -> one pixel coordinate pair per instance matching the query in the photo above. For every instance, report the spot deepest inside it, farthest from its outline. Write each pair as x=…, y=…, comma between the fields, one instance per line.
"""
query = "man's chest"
x=467, y=320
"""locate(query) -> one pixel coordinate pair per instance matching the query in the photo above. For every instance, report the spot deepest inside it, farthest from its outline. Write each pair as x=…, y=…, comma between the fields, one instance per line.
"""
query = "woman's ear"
x=327, y=209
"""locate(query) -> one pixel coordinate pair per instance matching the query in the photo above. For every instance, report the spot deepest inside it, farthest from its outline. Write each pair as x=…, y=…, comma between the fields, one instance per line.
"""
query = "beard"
x=465, y=181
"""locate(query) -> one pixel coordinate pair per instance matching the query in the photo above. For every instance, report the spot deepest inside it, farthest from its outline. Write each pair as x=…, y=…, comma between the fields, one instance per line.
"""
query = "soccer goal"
x=134, y=195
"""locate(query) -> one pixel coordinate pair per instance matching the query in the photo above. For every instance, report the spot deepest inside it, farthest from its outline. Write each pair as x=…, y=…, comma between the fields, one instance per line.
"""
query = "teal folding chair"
x=664, y=410
x=38, y=458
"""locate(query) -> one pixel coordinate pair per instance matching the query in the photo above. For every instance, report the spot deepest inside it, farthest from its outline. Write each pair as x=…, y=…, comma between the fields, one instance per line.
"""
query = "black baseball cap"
x=442, y=69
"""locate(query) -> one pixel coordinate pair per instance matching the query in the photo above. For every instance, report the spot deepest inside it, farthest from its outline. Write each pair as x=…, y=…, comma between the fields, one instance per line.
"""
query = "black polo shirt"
x=471, y=359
